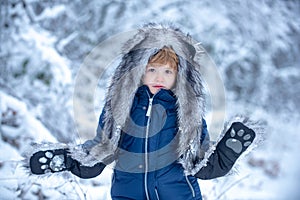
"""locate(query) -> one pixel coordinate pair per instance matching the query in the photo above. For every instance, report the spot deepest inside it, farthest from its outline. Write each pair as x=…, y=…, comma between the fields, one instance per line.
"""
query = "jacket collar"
x=162, y=95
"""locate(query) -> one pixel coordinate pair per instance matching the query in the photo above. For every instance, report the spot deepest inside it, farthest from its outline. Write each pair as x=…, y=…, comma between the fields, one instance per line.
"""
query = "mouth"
x=158, y=86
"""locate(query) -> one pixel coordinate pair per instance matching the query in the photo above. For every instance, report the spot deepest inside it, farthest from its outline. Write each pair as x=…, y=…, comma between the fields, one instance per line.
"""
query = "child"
x=152, y=125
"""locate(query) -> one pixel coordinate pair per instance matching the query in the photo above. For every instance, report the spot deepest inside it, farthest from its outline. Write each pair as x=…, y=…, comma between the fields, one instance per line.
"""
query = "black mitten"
x=59, y=160
x=53, y=161
x=235, y=141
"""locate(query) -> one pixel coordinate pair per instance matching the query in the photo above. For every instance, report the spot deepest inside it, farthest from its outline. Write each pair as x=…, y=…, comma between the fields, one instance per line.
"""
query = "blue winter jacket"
x=146, y=165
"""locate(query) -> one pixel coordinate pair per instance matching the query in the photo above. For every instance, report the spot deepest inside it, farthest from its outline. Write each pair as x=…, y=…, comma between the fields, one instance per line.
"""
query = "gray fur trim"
x=97, y=154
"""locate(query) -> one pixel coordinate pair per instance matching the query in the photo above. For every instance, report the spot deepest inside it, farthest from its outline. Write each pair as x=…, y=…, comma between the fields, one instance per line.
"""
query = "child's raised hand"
x=237, y=139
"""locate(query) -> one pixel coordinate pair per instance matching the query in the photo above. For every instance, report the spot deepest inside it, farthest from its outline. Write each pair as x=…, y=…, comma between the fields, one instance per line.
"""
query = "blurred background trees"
x=255, y=45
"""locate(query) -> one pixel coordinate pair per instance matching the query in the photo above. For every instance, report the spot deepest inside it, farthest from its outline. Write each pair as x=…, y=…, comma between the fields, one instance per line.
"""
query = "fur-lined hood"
x=188, y=90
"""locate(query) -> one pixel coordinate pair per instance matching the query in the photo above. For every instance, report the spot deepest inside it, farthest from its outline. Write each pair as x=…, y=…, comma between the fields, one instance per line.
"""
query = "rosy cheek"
x=145, y=80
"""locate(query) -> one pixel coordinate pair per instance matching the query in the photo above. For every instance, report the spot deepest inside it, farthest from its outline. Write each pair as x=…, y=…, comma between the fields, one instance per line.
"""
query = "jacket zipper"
x=148, y=114
x=149, y=110
x=156, y=192
x=190, y=185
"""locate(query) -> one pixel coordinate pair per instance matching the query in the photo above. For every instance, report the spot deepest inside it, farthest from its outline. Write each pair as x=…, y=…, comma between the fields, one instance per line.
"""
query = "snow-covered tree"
x=43, y=44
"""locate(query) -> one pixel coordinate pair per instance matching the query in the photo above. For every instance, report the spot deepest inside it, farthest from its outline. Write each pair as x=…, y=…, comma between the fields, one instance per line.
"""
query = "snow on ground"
x=18, y=128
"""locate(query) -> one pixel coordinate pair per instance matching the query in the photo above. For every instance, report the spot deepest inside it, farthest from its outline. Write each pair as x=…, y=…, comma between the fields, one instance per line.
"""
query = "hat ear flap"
x=136, y=40
x=191, y=101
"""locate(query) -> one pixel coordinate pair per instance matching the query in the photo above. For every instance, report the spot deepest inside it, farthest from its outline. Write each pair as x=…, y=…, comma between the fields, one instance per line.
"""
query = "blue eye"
x=151, y=70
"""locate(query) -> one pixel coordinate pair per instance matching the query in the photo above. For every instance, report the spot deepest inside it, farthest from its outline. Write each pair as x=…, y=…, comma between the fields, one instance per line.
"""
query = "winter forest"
x=49, y=60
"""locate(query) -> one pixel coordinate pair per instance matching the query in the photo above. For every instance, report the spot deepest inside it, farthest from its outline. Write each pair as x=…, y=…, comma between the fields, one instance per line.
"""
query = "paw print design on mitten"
x=240, y=138
x=48, y=161
x=52, y=162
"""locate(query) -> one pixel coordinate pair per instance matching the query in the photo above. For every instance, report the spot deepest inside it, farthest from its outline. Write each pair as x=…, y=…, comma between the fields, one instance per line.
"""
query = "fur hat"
x=188, y=90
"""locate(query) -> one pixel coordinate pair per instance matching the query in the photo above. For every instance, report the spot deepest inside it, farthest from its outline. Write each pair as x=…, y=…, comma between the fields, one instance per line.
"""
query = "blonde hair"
x=164, y=56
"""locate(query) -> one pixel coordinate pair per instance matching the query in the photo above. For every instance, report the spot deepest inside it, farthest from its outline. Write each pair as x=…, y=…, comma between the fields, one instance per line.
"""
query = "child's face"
x=159, y=76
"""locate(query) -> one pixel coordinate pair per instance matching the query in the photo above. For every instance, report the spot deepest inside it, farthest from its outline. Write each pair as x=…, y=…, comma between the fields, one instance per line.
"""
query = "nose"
x=159, y=77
